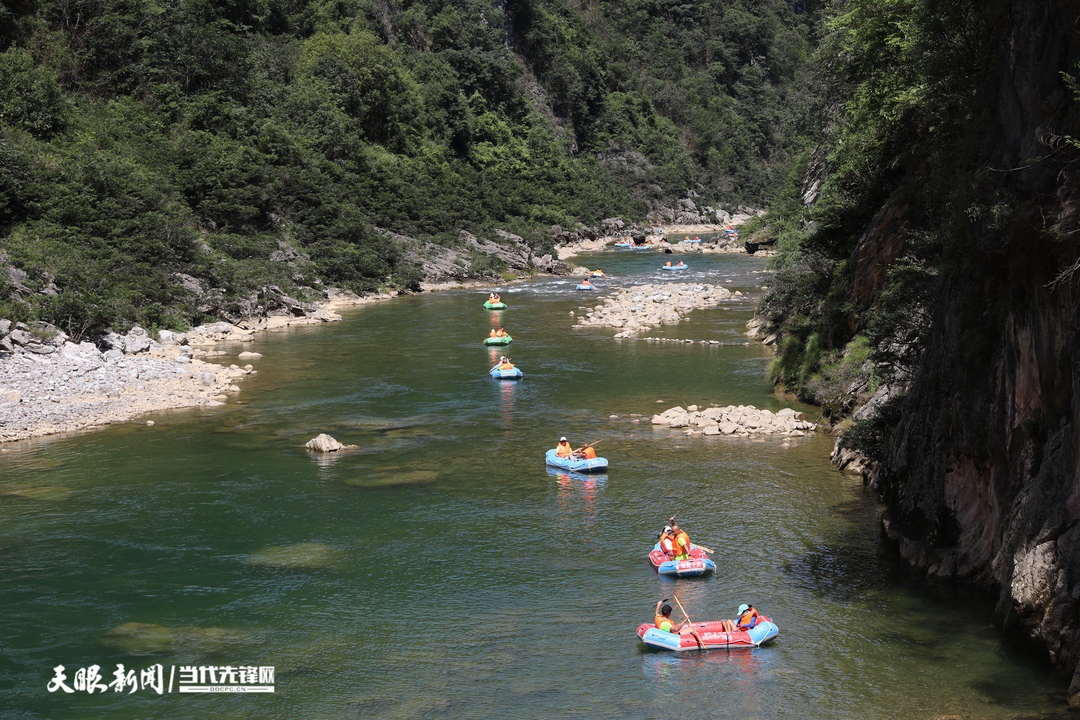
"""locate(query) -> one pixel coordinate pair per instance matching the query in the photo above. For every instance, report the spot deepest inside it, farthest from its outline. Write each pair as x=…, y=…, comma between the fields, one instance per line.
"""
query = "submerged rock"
x=137, y=638
x=394, y=478
x=302, y=556
x=32, y=491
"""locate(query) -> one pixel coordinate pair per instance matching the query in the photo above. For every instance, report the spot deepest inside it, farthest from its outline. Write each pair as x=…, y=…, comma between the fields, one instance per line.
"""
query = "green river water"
x=440, y=571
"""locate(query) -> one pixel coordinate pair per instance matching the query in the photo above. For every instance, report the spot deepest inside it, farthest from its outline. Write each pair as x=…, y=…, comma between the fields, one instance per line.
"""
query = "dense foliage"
x=898, y=162
x=165, y=161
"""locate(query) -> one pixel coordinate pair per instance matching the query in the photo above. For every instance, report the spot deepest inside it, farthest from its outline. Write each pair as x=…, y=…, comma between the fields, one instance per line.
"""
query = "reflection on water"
x=441, y=570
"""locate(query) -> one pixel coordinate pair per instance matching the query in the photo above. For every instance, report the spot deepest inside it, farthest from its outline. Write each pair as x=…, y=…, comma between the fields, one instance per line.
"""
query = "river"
x=440, y=571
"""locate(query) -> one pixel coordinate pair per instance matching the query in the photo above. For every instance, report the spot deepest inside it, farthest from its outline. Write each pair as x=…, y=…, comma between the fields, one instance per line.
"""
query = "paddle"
x=593, y=444
x=671, y=521
x=701, y=645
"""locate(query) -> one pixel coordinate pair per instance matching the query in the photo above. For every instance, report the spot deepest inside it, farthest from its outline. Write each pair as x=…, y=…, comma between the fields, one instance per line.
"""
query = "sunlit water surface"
x=441, y=571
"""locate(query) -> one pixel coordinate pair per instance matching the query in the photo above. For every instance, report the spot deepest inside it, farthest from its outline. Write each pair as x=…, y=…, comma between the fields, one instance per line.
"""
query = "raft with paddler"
x=583, y=459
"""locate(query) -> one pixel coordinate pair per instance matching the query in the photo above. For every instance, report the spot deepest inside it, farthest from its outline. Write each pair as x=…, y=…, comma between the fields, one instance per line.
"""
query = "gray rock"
x=136, y=343
x=325, y=443
x=19, y=337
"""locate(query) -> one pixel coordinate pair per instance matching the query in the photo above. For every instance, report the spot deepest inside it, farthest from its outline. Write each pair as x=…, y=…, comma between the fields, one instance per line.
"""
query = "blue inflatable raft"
x=573, y=464
x=675, y=267
x=583, y=286
x=511, y=374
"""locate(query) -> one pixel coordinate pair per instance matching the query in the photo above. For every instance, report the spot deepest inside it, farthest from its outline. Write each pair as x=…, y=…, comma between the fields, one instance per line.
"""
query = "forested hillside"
x=168, y=161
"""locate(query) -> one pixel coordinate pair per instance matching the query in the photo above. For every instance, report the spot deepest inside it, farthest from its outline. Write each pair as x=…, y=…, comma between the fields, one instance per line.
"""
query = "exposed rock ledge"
x=737, y=420
x=76, y=387
x=639, y=308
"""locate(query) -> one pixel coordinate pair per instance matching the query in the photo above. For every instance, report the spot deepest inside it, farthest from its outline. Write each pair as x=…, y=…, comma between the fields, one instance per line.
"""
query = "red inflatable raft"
x=708, y=636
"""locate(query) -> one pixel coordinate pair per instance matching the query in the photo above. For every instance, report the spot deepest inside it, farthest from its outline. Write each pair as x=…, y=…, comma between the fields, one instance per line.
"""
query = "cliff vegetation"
x=927, y=274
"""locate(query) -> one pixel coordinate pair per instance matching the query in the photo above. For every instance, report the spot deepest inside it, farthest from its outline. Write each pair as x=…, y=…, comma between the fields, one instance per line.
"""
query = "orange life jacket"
x=588, y=453
x=500, y=333
x=745, y=620
x=493, y=334
x=681, y=544
x=664, y=623
x=665, y=542
x=506, y=366
x=563, y=449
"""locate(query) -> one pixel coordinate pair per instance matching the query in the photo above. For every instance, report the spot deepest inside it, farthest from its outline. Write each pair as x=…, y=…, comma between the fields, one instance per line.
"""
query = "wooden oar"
x=592, y=444
x=702, y=547
x=701, y=645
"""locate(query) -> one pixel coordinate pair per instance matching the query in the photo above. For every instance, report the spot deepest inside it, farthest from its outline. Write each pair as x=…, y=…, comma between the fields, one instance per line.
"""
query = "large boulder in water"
x=325, y=443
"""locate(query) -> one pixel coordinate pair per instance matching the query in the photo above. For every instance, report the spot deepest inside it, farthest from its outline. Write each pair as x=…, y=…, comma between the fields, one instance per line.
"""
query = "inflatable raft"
x=488, y=305
x=675, y=267
x=511, y=374
x=624, y=245
x=708, y=636
x=573, y=464
x=504, y=340
x=597, y=478
x=698, y=563
x=583, y=286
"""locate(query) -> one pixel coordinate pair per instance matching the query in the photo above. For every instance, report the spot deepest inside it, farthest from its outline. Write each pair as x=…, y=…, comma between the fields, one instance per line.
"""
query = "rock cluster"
x=51, y=385
x=739, y=420
x=635, y=309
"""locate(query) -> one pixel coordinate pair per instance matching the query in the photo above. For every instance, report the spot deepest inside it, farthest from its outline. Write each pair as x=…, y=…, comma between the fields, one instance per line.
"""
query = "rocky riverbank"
x=633, y=310
x=49, y=385
x=739, y=421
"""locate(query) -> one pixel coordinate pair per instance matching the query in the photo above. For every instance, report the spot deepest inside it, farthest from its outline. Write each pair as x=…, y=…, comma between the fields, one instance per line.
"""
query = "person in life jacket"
x=505, y=364
x=563, y=449
x=493, y=334
x=662, y=619
x=667, y=538
x=586, y=452
x=680, y=544
x=746, y=617
x=493, y=297
x=500, y=333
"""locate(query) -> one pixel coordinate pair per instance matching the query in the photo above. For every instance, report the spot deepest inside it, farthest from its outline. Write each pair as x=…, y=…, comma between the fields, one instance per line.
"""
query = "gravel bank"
x=632, y=310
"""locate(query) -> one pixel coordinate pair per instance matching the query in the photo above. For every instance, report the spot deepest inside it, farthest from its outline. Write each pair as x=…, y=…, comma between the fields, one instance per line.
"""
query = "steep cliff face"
x=982, y=481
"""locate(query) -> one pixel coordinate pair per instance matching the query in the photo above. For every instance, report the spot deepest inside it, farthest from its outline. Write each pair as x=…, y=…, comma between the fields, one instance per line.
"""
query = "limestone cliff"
x=982, y=478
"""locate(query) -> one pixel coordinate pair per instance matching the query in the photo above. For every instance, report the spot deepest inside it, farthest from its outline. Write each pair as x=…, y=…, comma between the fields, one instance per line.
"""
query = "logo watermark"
x=181, y=679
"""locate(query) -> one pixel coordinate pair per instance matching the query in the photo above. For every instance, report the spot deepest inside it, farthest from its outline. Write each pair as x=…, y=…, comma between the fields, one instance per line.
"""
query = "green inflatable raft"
x=505, y=340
